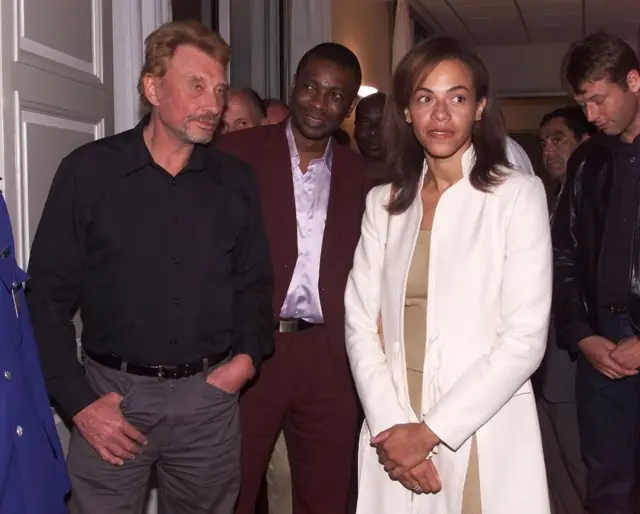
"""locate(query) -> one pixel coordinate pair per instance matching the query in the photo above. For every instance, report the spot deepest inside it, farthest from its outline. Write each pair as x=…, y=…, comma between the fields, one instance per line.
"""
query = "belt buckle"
x=160, y=371
x=288, y=325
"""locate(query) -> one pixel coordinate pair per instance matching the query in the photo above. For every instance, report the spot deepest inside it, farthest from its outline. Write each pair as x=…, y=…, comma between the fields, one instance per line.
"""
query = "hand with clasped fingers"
x=404, y=451
x=627, y=354
x=611, y=360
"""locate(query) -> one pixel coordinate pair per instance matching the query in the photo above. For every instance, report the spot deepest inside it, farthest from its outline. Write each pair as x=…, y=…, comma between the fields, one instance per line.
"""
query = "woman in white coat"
x=454, y=268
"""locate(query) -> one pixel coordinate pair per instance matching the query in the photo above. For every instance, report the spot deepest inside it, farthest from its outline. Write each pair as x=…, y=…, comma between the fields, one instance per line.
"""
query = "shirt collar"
x=327, y=158
x=468, y=161
x=140, y=156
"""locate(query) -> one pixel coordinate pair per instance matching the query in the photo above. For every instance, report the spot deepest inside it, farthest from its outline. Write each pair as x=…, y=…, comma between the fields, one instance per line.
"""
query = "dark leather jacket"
x=578, y=233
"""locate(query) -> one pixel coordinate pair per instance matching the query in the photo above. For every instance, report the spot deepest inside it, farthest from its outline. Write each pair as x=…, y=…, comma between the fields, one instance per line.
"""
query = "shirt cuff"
x=249, y=344
x=72, y=395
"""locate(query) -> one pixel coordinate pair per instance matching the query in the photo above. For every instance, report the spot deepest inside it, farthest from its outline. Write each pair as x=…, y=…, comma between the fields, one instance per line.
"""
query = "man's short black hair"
x=337, y=54
x=368, y=99
x=575, y=120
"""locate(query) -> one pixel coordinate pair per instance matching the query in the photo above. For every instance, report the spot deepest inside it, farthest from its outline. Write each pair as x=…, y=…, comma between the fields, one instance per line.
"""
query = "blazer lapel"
x=278, y=186
x=343, y=204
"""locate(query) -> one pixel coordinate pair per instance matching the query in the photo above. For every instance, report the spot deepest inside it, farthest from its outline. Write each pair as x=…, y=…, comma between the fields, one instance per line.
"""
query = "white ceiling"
x=513, y=22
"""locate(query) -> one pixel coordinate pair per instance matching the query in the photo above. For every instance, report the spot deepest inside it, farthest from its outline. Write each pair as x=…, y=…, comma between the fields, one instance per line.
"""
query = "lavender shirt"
x=311, y=193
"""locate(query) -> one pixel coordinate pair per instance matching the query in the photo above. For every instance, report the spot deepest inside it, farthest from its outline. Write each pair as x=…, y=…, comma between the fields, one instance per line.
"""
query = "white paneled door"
x=57, y=94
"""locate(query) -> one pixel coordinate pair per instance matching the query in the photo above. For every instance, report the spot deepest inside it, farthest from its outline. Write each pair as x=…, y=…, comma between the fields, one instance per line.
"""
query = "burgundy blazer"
x=266, y=150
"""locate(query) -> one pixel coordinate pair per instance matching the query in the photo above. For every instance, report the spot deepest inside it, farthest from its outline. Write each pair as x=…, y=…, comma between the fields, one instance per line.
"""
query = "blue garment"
x=33, y=477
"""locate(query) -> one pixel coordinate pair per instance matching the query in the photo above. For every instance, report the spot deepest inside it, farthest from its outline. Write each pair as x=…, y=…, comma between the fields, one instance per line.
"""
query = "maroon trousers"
x=301, y=390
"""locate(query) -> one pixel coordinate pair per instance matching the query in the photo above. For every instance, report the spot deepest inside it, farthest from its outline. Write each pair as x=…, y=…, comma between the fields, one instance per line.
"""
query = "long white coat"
x=489, y=296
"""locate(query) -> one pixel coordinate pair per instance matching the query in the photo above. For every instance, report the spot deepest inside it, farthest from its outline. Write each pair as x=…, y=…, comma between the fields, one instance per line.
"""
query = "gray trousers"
x=193, y=434
x=566, y=471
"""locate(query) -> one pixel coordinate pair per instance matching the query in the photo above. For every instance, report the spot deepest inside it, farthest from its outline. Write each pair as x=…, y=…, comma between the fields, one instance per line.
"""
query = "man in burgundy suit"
x=312, y=194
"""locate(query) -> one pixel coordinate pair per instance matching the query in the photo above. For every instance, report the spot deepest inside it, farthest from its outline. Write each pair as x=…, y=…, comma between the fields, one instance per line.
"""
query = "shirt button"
x=174, y=342
x=175, y=260
x=19, y=431
x=176, y=301
x=174, y=181
x=7, y=375
x=633, y=159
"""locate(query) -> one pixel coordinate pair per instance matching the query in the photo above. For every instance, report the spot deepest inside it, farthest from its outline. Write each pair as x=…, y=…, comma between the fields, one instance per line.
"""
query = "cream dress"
x=415, y=337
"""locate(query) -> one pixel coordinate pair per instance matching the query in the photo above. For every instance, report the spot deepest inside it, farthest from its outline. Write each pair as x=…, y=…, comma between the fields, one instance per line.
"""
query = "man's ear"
x=152, y=89
x=633, y=81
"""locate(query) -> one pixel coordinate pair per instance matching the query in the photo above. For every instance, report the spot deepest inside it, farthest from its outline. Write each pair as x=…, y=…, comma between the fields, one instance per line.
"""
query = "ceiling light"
x=366, y=91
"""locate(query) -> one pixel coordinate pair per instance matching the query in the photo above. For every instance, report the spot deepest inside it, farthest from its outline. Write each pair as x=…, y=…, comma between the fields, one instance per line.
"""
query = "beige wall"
x=523, y=70
x=364, y=26
x=525, y=114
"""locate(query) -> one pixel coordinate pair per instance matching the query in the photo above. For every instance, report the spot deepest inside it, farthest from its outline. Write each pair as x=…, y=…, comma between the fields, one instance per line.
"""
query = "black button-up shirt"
x=622, y=215
x=164, y=270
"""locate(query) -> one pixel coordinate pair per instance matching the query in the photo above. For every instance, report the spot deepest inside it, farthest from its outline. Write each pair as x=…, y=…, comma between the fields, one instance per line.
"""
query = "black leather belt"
x=292, y=325
x=163, y=371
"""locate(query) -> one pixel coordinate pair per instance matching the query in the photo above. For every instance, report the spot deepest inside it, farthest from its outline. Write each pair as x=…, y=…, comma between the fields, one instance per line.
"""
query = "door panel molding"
x=39, y=55
x=28, y=115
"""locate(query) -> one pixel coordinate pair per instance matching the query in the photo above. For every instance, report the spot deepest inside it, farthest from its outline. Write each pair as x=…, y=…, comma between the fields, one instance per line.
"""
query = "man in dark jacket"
x=597, y=288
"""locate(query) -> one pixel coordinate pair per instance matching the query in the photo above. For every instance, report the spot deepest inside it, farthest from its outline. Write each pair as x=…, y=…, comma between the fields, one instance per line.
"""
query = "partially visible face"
x=443, y=110
x=323, y=94
x=190, y=98
x=276, y=113
x=368, y=126
x=608, y=106
x=558, y=143
x=239, y=113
